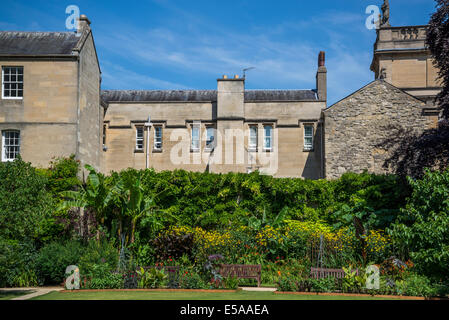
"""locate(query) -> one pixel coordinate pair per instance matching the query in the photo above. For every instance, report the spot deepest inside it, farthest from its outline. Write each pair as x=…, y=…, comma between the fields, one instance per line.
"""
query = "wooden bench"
x=320, y=273
x=241, y=271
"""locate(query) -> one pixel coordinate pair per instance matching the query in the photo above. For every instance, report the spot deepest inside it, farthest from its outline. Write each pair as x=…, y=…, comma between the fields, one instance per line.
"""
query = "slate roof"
x=37, y=43
x=203, y=95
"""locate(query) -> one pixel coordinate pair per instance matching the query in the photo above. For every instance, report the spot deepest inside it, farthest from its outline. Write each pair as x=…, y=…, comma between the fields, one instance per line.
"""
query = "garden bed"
x=151, y=290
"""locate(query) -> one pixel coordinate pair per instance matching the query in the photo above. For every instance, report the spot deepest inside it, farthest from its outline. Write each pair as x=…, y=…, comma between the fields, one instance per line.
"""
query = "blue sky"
x=168, y=44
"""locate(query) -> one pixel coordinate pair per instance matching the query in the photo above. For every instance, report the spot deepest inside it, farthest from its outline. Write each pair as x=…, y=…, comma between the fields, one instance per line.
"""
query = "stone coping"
x=359, y=295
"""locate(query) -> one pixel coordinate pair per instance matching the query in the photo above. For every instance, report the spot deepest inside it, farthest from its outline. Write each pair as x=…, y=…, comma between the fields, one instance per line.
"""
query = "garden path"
x=34, y=291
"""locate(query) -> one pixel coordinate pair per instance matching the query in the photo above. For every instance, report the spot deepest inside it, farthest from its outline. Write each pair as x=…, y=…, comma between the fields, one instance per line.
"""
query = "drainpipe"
x=148, y=126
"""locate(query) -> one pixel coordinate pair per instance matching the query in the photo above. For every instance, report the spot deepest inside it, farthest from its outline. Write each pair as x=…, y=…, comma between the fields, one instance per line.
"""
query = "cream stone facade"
x=402, y=59
x=230, y=111
x=58, y=113
x=52, y=105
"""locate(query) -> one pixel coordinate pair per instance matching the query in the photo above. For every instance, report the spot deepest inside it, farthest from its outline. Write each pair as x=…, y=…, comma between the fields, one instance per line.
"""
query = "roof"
x=374, y=82
x=37, y=43
x=203, y=95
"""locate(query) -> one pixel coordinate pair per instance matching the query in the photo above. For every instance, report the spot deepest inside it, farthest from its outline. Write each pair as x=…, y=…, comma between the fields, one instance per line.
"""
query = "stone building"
x=359, y=129
x=52, y=105
x=228, y=129
x=50, y=102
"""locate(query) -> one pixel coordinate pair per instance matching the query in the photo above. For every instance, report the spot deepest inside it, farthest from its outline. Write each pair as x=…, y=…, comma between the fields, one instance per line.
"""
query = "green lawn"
x=240, y=295
x=7, y=294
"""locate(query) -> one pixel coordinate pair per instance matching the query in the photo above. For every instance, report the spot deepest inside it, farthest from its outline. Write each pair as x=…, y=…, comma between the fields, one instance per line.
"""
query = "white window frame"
x=4, y=146
x=16, y=82
x=210, y=145
x=265, y=137
x=156, y=141
x=307, y=146
x=140, y=139
x=195, y=144
x=253, y=146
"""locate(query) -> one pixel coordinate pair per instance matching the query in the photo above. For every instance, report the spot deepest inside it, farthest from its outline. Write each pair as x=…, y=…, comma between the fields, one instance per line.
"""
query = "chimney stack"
x=83, y=23
x=321, y=77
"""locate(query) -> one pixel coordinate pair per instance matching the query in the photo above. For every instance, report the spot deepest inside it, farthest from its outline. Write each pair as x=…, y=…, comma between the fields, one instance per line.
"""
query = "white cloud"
x=211, y=52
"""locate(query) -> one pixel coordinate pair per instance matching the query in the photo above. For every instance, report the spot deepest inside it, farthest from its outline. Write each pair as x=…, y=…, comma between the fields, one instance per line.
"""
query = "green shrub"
x=191, y=280
x=151, y=278
x=323, y=284
x=101, y=277
x=55, y=257
x=25, y=205
x=62, y=175
x=286, y=284
x=422, y=230
x=108, y=281
x=17, y=264
x=98, y=253
x=231, y=283
x=416, y=285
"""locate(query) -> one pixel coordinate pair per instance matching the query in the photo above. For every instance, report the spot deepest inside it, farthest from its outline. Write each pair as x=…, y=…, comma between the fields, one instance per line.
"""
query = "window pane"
x=13, y=82
x=158, y=138
x=195, y=138
x=267, y=138
x=308, y=131
x=11, y=145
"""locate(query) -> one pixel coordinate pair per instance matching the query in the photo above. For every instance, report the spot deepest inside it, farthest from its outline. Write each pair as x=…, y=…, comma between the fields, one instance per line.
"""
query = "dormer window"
x=12, y=82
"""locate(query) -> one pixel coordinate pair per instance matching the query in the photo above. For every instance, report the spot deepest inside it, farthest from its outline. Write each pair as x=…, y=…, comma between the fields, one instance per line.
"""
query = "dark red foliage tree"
x=438, y=43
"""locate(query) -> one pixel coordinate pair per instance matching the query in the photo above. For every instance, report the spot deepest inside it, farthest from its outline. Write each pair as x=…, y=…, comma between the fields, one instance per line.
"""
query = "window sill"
x=267, y=150
x=157, y=151
x=252, y=149
x=12, y=98
x=308, y=150
x=195, y=150
x=138, y=151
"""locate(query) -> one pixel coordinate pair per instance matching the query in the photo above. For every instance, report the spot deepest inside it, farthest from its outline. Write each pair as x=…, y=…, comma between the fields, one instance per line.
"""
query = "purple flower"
x=215, y=257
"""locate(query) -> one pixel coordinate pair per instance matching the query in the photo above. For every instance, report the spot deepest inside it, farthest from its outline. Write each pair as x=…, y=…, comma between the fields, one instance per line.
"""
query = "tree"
x=421, y=232
x=95, y=195
x=134, y=203
x=438, y=43
x=25, y=204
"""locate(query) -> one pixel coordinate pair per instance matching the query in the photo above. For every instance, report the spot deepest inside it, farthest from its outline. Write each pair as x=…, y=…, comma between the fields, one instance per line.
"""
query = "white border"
x=3, y=86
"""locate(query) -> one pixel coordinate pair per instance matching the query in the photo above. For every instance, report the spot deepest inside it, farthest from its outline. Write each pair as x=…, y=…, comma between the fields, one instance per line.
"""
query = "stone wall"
x=359, y=128
x=90, y=121
x=288, y=118
x=46, y=116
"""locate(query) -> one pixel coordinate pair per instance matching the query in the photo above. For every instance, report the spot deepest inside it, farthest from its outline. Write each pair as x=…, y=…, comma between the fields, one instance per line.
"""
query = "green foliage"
x=422, y=230
x=416, y=285
x=151, y=278
x=101, y=277
x=95, y=195
x=108, y=281
x=323, y=284
x=352, y=282
x=25, y=205
x=55, y=257
x=17, y=264
x=172, y=245
x=62, y=175
x=189, y=279
x=286, y=284
x=98, y=253
x=231, y=283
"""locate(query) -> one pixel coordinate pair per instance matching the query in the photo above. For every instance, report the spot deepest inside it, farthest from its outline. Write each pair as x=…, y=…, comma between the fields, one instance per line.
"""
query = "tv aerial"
x=247, y=69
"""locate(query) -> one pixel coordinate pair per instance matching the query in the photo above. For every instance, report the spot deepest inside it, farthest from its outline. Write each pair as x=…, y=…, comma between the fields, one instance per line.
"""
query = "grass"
x=10, y=294
x=239, y=295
